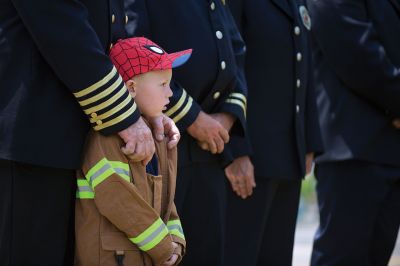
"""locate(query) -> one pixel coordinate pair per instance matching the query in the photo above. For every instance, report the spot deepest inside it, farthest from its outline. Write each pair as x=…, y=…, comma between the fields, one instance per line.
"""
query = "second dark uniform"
x=213, y=82
x=283, y=127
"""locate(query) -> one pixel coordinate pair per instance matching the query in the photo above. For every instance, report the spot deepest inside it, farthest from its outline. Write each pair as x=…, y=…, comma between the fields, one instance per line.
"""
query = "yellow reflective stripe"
x=175, y=228
x=177, y=105
x=96, y=85
x=102, y=94
x=122, y=169
x=108, y=102
x=237, y=102
x=84, y=195
x=84, y=190
x=118, y=119
x=152, y=236
x=104, y=168
x=184, y=111
x=239, y=95
x=112, y=111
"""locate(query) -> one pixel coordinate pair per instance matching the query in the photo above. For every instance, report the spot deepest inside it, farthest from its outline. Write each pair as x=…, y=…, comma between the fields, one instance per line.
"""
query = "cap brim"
x=179, y=58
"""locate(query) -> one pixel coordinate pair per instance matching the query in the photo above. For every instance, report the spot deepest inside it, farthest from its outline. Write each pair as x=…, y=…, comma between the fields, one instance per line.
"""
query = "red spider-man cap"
x=139, y=55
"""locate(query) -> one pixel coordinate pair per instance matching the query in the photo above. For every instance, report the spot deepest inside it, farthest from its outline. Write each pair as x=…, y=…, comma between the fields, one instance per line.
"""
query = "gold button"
x=216, y=95
x=99, y=122
x=297, y=30
x=113, y=18
x=212, y=6
x=93, y=115
x=126, y=19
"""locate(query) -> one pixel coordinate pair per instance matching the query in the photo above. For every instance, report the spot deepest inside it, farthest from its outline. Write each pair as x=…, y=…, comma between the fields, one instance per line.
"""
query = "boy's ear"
x=131, y=85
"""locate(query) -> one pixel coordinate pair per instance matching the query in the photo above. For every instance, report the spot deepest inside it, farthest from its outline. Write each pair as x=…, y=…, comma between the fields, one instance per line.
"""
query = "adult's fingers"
x=232, y=179
x=158, y=127
x=203, y=145
x=220, y=144
x=223, y=133
x=212, y=146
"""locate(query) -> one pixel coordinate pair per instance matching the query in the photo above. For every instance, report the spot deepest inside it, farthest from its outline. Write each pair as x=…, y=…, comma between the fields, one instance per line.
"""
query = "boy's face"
x=151, y=91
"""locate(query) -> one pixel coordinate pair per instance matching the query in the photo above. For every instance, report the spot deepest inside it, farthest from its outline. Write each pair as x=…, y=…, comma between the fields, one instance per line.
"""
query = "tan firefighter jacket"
x=123, y=213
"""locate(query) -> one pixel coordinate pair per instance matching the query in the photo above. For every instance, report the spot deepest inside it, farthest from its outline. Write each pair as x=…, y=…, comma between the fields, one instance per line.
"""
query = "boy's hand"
x=174, y=257
x=205, y=129
x=139, y=143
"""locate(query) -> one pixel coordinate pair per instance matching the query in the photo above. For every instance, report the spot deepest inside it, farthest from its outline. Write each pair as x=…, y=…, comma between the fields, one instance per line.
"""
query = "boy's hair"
x=139, y=55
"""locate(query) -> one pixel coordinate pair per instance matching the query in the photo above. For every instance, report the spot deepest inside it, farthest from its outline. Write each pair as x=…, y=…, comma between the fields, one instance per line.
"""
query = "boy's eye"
x=164, y=84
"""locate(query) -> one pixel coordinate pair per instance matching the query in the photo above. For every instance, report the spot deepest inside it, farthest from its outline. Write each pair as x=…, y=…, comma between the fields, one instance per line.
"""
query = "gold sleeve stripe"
x=239, y=95
x=96, y=85
x=108, y=102
x=237, y=102
x=118, y=119
x=184, y=111
x=102, y=94
x=112, y=111
x=177, y=105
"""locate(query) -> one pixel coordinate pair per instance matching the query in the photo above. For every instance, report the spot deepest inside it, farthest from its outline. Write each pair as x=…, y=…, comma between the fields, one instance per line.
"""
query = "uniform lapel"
x=284, y=6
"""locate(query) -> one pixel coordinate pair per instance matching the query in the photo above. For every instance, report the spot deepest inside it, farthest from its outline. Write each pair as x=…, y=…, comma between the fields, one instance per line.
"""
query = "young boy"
x=125, y=213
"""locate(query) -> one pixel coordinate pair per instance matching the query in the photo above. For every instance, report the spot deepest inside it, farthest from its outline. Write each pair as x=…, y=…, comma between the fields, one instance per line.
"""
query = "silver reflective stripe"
x=175, y=226
x=152, y=236
x=85, y=188
x=121, y=171
x=100, y=172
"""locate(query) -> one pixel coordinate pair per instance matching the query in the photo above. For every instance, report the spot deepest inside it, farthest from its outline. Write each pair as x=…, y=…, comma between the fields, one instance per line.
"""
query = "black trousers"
x=201, y=203
x=36, y=215
x=260, y=229
x=359, y=205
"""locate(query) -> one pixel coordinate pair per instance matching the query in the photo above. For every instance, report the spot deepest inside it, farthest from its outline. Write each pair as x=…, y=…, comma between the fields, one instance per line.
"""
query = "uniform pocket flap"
x=117, y=241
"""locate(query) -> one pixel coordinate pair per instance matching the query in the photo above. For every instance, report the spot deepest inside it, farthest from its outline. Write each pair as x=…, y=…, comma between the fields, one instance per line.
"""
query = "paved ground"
x=303, y=241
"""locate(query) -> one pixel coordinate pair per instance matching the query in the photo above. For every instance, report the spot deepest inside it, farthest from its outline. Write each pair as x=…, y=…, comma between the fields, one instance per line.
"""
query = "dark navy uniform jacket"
x=213, y=79
x=282, y=117
x=56, y=78
x=357, y=70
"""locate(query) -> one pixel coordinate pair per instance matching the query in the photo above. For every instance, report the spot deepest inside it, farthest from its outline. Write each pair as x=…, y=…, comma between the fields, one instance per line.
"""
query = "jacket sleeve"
x=66, y=40
x=236, y=102
x=176, y=231
x=108, y=174
x=351, y=45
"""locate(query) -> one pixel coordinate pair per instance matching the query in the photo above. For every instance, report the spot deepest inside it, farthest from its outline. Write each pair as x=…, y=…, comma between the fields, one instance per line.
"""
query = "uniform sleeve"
x=107, y=176
x=64, y=37
x=312, y=126
x=236, y=102
x=351, y=45
x=182, y=108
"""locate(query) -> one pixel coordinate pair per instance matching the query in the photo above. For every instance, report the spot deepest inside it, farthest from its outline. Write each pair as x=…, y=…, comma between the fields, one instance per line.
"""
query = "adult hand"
x=396, y=123
x=240, y=174
x=139, y=143
x=309, y=162
x=165, y=126
x=225, y=119
x=205, y=129
x=174, y=257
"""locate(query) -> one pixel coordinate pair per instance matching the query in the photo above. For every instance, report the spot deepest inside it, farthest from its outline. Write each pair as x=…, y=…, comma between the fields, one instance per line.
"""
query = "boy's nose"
x=169, y=92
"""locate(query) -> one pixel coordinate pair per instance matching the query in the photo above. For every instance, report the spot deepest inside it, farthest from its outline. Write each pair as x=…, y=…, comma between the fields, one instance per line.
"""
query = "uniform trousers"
x=260, y=229
x=359, y=205
x=201, y=203
x=36, y=215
